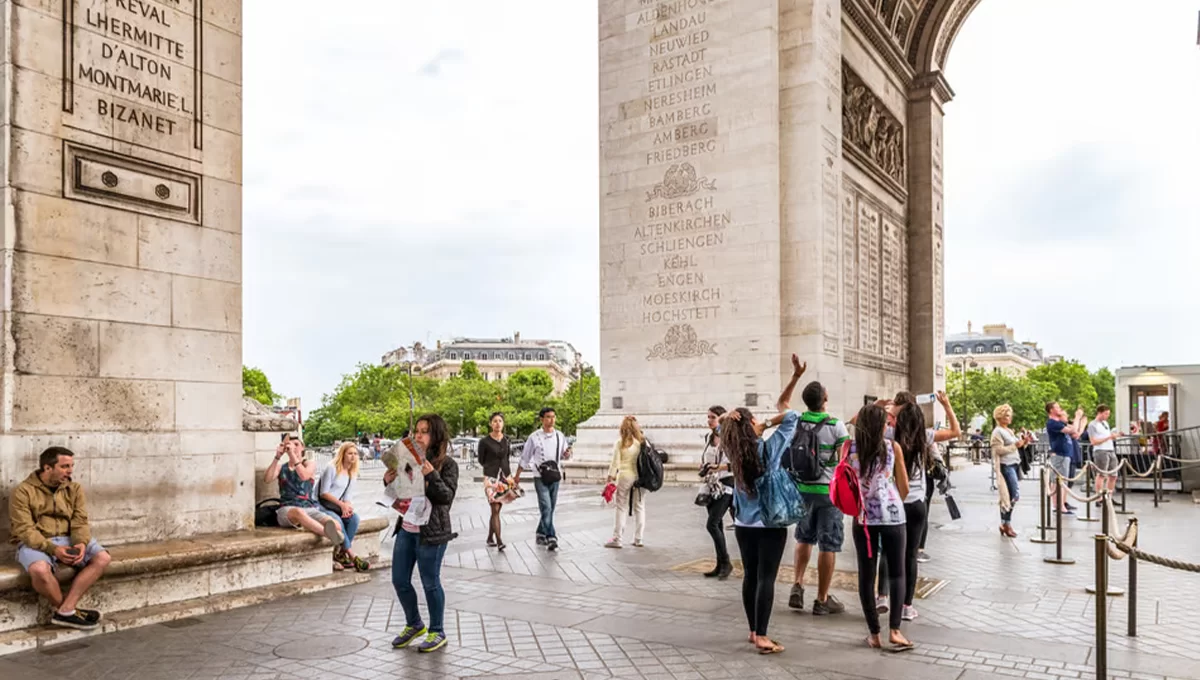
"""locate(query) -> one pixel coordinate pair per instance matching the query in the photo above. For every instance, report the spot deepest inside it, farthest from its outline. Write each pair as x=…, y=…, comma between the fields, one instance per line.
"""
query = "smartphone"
x=923, y=399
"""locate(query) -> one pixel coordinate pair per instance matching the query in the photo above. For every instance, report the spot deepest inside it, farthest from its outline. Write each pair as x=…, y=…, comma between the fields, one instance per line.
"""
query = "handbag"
x=779, y=498
x=610, y=491
x=952, y=507
x=548, y=470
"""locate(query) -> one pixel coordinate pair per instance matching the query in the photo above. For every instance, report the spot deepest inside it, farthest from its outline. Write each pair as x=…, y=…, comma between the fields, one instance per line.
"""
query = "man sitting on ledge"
x=298, y=505
x=50, y=527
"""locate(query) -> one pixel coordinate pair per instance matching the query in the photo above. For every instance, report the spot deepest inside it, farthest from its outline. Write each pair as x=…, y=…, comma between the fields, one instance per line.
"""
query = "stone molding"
x=880, y=38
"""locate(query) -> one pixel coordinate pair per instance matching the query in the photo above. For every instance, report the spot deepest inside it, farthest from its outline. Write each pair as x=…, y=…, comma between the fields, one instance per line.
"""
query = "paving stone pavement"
x=590, y=612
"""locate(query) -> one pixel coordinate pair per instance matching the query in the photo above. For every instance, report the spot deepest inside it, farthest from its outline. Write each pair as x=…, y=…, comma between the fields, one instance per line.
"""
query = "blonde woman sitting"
x=623, y=471
x=335, y=490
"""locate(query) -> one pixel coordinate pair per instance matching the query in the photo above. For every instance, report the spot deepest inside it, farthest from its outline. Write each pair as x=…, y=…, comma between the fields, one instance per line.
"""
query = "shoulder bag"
x=548, y=470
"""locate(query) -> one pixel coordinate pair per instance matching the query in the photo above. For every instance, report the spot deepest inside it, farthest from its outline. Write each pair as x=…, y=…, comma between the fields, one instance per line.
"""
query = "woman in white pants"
x=623, y=471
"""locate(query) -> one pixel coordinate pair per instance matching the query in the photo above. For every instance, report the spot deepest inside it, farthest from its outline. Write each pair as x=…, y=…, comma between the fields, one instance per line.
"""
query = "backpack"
x=649, y=468
x=845, y=493
x=802, y=459
x=264, y=513
x=778, y=498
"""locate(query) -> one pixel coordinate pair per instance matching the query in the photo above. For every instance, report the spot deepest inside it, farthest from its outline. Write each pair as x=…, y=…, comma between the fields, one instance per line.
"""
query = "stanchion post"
x=1157, y=480
x=1088, y=484
x=1045, y=510
x=1101, y=606
x=1132, y=632
x=1058, y=558
x=1124, y=491
x=1104, y=527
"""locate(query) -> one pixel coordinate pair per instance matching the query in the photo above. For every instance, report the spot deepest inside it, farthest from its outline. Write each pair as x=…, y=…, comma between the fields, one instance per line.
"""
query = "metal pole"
x=1124, y=493
x=1088, y=485
x=1058, y=529
x=1101, y=606
x=1157, y=480
x=1045, y=509
x=1104, y=528
x=1132, y=611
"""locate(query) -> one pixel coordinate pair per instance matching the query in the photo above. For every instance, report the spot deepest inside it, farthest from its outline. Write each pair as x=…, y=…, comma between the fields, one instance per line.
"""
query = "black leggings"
x=914, y=527
x=891, y=539
x=762, y=550
x=716, y=512
x=928, y=499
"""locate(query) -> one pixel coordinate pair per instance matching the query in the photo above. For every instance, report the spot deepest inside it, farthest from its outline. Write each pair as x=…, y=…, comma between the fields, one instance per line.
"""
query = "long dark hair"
x=868, y=439
x=439, y=440
x=910, y=435
x=717, y=411
x=741, y=446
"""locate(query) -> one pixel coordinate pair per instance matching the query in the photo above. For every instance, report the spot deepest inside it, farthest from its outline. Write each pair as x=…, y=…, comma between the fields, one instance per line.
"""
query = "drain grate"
x=842, y=580
x=182, y=623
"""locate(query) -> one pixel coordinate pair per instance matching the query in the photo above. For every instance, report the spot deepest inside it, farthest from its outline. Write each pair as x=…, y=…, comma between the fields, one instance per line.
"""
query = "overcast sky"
x=415, y=171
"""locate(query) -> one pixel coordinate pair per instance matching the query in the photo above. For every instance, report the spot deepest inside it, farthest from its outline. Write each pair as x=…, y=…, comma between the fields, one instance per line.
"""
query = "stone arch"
x=937, y=25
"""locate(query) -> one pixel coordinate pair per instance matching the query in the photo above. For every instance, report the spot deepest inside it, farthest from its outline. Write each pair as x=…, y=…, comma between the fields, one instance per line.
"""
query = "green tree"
x=579, y=402
x=1073, y=383
x=1105, y=384
x=466, y=400
x=256, y=386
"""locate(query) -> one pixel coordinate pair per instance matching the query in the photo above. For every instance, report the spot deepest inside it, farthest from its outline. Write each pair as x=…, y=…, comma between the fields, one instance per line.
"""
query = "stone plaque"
x=875, y=282
x=118, y=181
x=132, y=71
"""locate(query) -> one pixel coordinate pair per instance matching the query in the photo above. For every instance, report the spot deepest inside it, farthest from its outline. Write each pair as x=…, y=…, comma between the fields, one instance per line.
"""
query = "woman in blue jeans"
x=424, y=546
x=335, y=489
x=1006, y=457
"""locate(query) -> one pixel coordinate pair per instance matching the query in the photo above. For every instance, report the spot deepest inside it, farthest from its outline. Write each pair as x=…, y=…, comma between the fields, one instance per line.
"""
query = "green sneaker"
x=432, y=642
x=406, y=636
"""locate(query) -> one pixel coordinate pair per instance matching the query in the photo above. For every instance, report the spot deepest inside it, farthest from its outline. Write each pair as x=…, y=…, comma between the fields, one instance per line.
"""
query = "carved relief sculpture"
x=678, y=181
x=870, y=129
x=681, y=342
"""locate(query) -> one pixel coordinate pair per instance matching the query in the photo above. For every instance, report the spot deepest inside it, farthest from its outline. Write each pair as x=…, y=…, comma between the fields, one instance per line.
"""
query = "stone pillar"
x=925, y=228
x=690, y=239
x=121, y=326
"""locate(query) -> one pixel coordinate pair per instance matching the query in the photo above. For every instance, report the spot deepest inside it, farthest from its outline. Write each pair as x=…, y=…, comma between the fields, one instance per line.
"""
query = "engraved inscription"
x=874, y=281
x=133, y=70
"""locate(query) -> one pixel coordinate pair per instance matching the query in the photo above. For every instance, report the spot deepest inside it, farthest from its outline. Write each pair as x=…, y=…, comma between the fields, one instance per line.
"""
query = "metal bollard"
x=1058, y=529
x=1132, y=632
x=1045, y=508
x=1104, y=529
x=1157, y=481
x=1101, y=606
x=1088, y=484
x=1124, y=494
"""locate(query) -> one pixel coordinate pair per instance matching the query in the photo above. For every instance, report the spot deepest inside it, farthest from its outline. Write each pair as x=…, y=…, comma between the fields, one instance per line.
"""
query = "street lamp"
x=579, y=401
x=462, y=428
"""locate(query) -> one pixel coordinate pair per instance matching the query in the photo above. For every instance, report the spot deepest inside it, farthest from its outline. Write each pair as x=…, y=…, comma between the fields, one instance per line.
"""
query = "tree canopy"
x=256, y=386
x=1067, y=382
x=376, y=399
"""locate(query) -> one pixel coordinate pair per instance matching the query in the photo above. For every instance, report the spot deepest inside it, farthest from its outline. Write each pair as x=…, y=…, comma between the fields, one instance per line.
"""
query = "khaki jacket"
x=39, y=513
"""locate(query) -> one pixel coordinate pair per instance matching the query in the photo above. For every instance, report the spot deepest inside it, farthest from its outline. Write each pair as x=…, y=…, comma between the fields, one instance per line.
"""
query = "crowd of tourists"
x=806, y=476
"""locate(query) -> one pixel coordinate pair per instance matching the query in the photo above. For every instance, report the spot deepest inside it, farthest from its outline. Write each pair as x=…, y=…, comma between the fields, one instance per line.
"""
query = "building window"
x=466, y=356
x=541, y=356
x=512, y=356
x=454, y=356
x=996, y=369
x=958, y=349
x=529, y=356
x=998, y=349
x=980, y=349
x=483, y=356
x=453, y=374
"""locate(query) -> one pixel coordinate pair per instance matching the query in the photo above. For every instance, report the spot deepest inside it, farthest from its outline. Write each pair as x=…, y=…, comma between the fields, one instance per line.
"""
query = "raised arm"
x=900, y=471
x=785, y=397
x=955, y=430
x=272, y=473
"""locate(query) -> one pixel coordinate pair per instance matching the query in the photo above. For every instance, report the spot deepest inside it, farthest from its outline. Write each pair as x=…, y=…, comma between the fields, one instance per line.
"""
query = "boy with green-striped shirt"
x=822, y=522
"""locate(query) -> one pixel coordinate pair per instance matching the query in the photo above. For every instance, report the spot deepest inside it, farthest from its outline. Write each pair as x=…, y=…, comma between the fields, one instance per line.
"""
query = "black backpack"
x=649, y=468
x=802, y=459
x=264, y=513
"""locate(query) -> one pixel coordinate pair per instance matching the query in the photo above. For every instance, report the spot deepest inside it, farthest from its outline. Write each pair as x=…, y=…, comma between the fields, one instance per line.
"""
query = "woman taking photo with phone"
x=425, y=546
x=494, y=454
x=761, y=547
x=883, y=485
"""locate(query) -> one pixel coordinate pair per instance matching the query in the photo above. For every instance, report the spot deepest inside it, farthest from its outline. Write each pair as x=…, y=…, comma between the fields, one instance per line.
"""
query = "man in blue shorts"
x=50, y=527
x=821, y=524
x=1062, y=435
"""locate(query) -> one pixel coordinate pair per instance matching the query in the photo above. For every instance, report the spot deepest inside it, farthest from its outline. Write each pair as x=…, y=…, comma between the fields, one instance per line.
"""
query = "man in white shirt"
x=543, y=455
x=1104, y=453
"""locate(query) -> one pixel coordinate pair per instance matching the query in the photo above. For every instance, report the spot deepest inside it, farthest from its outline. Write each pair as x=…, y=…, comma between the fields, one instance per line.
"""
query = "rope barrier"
x=1167, y=562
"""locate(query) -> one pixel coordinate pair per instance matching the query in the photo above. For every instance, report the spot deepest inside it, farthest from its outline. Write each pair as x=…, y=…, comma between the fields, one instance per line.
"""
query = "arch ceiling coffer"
x=920, y=32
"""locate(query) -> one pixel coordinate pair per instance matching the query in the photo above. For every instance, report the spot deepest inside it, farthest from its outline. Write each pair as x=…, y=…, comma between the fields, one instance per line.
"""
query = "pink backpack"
x=845, y=492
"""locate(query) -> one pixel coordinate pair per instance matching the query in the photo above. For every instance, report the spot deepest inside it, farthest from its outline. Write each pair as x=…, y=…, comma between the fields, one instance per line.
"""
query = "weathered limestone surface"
x=770, y=182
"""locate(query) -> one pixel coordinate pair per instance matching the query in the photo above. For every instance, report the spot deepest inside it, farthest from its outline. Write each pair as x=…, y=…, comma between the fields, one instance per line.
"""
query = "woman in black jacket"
x=424, y=546
x=494, y=452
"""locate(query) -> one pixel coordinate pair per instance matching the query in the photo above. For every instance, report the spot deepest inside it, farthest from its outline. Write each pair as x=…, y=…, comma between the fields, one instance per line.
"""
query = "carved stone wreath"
x=680, y=180
x=681, y=342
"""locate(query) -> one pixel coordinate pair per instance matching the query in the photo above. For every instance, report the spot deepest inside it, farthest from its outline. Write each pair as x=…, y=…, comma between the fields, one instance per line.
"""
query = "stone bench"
x=164, y=572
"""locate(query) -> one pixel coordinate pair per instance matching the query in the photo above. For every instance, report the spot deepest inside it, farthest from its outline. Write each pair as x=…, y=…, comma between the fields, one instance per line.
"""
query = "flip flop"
x=871, y=643
x=896, y=649
x=775, y=648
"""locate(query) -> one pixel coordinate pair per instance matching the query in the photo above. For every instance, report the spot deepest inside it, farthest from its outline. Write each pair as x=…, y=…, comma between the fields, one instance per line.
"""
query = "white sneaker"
x=881, y=604
x=637, y=543
x=613, y=543
x=923, y=556
x=908, y=613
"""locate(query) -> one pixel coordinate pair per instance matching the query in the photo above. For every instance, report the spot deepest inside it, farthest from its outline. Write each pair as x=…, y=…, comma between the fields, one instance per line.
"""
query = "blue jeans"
x=547, y=495
x=1009, y=472
x=407, y=552
x=349, y=525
